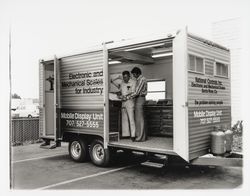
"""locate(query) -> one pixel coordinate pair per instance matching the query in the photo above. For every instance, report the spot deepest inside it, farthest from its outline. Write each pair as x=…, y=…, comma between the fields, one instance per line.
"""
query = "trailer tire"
x=99, y=156
x=78, y=150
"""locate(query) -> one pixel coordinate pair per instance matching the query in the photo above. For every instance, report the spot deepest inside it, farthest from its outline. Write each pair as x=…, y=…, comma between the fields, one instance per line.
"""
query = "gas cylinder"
x=229, y=139
x=218, y=141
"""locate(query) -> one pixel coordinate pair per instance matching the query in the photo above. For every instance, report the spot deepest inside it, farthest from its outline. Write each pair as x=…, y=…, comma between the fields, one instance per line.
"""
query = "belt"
x=140, y=96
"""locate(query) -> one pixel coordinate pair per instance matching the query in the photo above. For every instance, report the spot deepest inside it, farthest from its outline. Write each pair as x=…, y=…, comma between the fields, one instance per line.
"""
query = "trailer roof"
x=120, y=44
x=208, y=42
x=139, y=40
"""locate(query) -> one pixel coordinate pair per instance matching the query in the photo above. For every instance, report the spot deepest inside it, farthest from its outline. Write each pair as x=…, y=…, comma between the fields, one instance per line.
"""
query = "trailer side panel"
x=209, y=102
x=82, y=93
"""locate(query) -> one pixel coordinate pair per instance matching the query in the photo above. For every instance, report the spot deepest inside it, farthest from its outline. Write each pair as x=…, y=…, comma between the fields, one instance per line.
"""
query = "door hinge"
x=185, y=105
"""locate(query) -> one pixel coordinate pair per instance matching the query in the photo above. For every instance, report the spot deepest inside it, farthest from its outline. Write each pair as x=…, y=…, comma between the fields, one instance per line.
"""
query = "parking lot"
x=36, y=168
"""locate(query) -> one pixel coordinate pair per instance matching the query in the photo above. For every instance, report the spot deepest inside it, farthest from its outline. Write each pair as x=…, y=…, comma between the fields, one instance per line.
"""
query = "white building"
x=21, y=102
x=228, y=33
x=15, y=103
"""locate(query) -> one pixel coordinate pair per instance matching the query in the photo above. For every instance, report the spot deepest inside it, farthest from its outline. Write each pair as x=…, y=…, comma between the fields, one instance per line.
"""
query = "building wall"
x=228, y=33
x=161, y=69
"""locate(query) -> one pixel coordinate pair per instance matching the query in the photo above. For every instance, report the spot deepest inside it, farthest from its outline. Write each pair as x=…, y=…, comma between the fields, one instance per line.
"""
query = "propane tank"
x=229, y=139
x=218, y=140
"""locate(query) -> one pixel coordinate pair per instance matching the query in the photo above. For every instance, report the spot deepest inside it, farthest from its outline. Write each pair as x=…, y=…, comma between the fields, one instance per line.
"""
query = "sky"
x=42, y=29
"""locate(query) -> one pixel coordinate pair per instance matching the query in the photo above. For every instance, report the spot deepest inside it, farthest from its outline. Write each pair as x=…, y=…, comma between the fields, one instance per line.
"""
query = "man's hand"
x=124, y=98
x=119, y=93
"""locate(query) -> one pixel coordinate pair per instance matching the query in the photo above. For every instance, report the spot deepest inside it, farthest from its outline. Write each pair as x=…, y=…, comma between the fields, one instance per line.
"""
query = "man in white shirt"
x=127, y=87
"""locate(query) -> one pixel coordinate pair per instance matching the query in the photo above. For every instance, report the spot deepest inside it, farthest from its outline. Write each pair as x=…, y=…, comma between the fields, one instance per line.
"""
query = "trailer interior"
x=156, y=62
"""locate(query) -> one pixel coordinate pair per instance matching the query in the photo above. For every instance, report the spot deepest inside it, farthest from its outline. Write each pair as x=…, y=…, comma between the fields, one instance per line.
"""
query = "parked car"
x=26, y=111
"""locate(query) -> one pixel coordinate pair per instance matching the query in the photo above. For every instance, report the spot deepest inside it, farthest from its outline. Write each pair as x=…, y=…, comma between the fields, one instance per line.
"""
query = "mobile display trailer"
x=188, y=95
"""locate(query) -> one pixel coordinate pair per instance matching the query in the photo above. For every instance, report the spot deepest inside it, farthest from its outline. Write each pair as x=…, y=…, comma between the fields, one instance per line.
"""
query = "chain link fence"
x=24, y=130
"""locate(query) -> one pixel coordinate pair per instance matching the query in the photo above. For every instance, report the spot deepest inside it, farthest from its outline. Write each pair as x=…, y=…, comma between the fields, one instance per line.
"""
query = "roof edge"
x=208, y=42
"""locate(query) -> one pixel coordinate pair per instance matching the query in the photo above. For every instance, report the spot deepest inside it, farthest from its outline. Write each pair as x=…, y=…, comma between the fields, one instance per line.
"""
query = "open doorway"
x=156, y=62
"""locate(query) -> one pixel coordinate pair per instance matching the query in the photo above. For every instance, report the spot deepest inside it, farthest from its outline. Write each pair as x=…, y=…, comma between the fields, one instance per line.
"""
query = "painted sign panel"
x=82, y=93
x=208, y=116
x=82, y=80
x=206, y=91
x=82, y=119
x=201, y=123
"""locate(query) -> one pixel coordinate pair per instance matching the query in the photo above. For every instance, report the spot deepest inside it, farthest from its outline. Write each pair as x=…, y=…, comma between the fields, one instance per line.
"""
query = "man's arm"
x=116, y=85
x=139, y=87
x=133, y=88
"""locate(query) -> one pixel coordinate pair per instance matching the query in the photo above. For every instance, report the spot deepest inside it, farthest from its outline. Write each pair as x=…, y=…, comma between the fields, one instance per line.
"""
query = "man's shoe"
x=124, y=137
x=133, y=139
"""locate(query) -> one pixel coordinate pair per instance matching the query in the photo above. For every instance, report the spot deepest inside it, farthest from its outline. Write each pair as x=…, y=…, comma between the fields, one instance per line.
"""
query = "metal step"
x=152, y=164
x=50, y=145
x=48, y=137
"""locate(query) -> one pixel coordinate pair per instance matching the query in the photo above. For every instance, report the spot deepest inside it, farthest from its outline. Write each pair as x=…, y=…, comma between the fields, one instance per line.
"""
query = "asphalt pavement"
x=36, y=168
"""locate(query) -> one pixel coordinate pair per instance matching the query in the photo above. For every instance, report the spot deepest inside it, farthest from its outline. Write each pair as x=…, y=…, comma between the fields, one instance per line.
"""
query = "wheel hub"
x=76, y=149
x=99, y=152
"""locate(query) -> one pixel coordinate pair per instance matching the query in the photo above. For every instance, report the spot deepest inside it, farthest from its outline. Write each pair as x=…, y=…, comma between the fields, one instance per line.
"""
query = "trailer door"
x=57, y=103
x=49, y=95
x=48, y=99
x=84, y=98
x=180, y=94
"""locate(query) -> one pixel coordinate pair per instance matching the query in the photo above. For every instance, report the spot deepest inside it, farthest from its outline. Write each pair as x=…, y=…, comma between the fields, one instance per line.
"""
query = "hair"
x=136, y=70
x=125, y=73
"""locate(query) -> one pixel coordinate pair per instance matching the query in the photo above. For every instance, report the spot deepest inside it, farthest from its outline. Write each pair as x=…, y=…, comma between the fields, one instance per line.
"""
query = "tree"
x=16, y=96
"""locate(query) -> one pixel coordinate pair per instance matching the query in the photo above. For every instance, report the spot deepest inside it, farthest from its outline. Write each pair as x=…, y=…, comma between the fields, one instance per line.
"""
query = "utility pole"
x=10, y=120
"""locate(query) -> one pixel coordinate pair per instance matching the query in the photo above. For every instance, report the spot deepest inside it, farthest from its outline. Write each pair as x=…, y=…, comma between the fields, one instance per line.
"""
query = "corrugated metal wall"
x=195, y=93
x=218, y=104
x=198, y=47
x=199, y=135
x=209, y=67
x=83, y=63
x=82, y=93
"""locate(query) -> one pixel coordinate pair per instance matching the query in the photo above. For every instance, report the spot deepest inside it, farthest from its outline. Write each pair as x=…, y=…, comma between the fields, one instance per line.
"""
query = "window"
x=209, y=67
x=156, y=90
x=221, y=69
x=196, y=64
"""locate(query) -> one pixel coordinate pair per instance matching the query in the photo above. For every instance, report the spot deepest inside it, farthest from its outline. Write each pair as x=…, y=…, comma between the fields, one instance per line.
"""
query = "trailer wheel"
x=99, y=156
x=78, y=150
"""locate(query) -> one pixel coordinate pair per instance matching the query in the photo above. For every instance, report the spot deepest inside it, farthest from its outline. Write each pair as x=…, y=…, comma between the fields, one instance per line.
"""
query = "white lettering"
x=67, y=115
